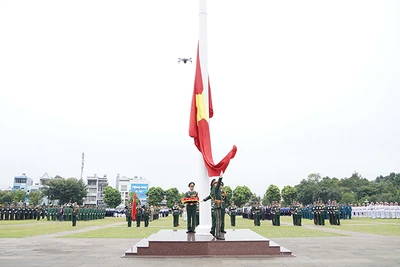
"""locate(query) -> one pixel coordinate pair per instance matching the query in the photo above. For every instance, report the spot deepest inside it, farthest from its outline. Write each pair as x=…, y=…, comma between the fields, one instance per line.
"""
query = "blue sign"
x=141, y=190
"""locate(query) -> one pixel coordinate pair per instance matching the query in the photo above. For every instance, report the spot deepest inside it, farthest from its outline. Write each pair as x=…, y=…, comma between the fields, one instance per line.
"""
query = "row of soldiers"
x=296, y=212
x=345, y=211
x=63, y=213
x=22, y=213
x=142, y=214
x=321, y=211
x=318, y=212
x=274, y=210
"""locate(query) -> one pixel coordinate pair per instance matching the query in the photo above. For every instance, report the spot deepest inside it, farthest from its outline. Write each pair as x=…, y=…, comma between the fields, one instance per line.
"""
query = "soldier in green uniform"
x=256, y=209
x=273, y=213
x=299, y=214
x=315, y=213
x=224, y=204
x=138, y=215
x=191, y=199
x=322, y=212
x=197, y=214
x=336, y=216
x=176, y=210
x=296, y=211
x=216, y=196
x=146, y=214
x=276, y=213
x=213, y=220
x=75, y=212
x=232, y=213
x=330, y=211
x=292, y=212
x=129, y=216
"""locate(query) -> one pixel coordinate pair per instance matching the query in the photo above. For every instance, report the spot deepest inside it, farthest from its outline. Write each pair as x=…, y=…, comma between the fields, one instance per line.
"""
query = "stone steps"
x=238, y=243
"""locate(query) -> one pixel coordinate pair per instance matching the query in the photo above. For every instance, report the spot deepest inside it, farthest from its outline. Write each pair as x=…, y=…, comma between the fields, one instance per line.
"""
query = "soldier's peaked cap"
x=191, y=184
x=213, y=181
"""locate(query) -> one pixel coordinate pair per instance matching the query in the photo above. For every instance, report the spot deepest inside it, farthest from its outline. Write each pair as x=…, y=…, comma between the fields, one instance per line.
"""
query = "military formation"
x=143, y=213
x=377, y=210
x=276, y=213
x=295, y=211
x=51, y=213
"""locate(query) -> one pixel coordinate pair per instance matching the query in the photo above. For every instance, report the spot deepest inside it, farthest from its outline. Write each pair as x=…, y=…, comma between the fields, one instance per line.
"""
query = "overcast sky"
x=299, y=87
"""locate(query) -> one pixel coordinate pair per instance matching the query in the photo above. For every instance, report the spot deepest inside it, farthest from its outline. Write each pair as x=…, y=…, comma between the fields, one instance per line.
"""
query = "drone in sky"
x=184, y=60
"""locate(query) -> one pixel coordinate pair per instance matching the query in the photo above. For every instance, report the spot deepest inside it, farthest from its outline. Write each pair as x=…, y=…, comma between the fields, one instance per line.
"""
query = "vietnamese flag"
x=199, y=128
x=134, y=207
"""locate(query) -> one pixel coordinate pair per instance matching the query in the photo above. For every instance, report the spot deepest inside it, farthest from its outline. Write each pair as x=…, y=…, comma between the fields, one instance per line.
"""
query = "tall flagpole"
x=83, y=162
x=203, y=187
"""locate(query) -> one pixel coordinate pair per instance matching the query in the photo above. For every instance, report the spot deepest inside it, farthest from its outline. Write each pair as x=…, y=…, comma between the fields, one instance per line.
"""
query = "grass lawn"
x=266, y=229
x=25, y=228
x=117, y=228
x=385, y=227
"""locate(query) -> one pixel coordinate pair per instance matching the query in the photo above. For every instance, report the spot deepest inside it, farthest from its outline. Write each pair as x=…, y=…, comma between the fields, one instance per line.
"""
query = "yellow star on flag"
x=201, y=107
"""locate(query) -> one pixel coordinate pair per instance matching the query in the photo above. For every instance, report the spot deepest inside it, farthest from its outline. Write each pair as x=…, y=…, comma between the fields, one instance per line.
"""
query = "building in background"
x=126, y=185
x=95, y=188
x=44, y=180
x=22, y=182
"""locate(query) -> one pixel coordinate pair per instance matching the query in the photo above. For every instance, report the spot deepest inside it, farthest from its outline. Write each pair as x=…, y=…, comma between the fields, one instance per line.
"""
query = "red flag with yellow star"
x=199, y=128
x=133, y=213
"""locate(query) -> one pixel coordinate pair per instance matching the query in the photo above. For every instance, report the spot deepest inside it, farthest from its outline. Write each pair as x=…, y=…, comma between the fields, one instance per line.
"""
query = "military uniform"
x=197, y=214
x=232, y=213
x=75, y=212
x=223, y=207
x=298, y=213
x=276, y=213
x=138, y=215
x=191, y=199
x=175, y=214
x=146, y=215
x=38, y=211
x=322, y=213
x=129, y=216
x=1, y=213
x=216, y=196
x=256, y=209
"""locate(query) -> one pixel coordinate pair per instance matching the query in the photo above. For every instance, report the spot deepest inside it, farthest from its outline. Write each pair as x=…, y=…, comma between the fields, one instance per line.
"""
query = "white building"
x=44, y=179
x=137, y=184
x=95, y=188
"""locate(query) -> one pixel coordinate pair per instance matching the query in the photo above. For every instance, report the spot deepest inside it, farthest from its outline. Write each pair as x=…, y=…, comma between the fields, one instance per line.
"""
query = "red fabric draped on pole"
x=199, y=128
x=134, y=207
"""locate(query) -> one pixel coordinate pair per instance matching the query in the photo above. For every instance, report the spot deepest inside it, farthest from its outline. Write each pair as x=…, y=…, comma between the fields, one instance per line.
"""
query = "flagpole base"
x=203, y=229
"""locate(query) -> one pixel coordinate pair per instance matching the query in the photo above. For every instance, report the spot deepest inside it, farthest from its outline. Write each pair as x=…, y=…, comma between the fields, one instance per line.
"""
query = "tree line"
x=352, y=190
